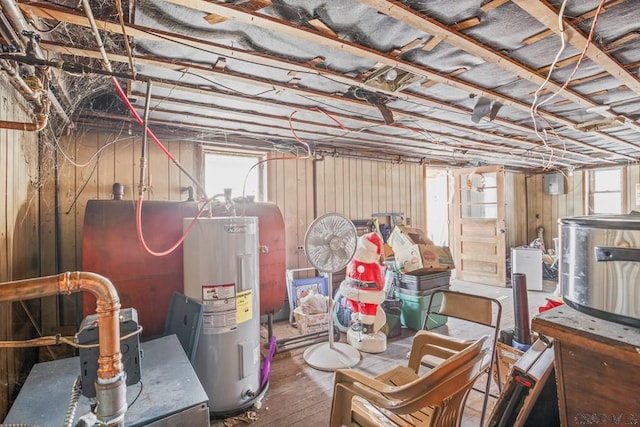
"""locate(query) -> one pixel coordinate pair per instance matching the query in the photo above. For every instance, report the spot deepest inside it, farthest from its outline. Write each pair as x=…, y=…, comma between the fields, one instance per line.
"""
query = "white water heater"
x=221, y=271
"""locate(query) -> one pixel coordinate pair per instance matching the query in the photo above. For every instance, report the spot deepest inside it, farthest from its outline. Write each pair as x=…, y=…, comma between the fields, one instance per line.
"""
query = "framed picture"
x=300, y=288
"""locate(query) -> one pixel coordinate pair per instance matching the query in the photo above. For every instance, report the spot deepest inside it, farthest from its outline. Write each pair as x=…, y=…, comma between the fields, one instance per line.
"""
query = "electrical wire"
x=137, y=395
x=535, y=105
x=533, y=110
x=142, y=240
x=582, y=54
x=57, y=339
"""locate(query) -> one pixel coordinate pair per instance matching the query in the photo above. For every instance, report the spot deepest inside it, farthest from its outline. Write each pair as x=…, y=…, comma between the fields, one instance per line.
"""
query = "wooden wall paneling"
x=302, y=213
x=289, y=211
x=352, y=197
x=87, y=186
x=328, y=183
x=320, y=190
x=5, y=308
x=126, y=166
x=381, y=188
x=633, y=178
x=18, y=247
x=105, y=166
x=368, y=181
x=158, y=165
x=173, y=173
x=341, y=184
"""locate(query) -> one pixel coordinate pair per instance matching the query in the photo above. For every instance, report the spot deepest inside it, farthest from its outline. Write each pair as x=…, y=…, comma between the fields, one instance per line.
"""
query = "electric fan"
x=329, y=244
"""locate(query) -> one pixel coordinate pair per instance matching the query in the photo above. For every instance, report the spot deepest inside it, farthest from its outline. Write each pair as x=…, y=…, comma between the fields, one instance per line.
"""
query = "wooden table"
x=597, y=367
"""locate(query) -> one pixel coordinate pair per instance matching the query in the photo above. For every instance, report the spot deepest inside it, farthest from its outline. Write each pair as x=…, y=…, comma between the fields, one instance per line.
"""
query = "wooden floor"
x=301, y=396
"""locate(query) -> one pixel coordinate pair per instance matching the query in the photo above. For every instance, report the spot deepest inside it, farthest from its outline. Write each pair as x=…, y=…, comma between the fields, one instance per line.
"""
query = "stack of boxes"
x=422, y=268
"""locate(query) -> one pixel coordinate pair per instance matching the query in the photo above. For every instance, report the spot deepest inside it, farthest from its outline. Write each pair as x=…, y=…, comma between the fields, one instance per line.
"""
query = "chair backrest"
x=436, y=381
x=474, y=308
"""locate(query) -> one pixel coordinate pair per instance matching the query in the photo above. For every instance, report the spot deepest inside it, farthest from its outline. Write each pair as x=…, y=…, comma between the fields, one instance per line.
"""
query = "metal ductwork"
x=110, y=385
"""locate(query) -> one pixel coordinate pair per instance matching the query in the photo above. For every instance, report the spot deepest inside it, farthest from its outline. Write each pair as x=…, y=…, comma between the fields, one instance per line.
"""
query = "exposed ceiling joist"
x=59, y=14
x=587, y=15
x=547, y=15
x=277, y=25
x=401, y=12
x=179, y=66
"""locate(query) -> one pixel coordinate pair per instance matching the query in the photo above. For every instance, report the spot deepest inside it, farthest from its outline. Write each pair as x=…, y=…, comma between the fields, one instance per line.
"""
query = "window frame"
x=590, y=190
x=260, y=169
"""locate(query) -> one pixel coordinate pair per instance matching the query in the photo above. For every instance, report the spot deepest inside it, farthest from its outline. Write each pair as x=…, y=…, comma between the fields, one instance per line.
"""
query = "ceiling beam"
x=267, y=132
x=56, y=13
x=302, y=33
x=208, y=71
x=406, y=14
x=547, y=15
x=587, y=15
x=460, y=143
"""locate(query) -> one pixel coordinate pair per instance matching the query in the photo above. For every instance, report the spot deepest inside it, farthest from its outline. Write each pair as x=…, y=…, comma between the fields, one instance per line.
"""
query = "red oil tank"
x=110, y=247
x=272, y=253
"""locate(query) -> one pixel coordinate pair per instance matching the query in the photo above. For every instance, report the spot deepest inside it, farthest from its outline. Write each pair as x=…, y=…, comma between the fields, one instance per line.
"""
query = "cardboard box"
x=404, y=237
x=436, y=257
x=310, y=323
x=408, y=259
x=388, y=252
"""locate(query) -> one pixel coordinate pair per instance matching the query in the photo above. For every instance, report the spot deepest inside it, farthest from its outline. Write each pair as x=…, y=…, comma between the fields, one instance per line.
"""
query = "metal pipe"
x=11, y=11
x=110, y=385
x=14, y=15
x=143, y=154
x=39, y=124
x=522, y=330
x=96, y=33
x=18, y=81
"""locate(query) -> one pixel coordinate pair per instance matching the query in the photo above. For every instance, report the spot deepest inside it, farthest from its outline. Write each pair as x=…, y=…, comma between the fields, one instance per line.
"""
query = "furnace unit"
x=221, y=271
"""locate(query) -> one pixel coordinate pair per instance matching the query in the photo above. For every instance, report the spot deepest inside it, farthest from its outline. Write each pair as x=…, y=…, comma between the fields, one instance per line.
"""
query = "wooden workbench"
x=597, y=367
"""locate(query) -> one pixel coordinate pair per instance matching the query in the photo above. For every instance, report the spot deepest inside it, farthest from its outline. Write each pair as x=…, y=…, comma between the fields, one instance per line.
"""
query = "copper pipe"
x=37, y=126
x=110, y=383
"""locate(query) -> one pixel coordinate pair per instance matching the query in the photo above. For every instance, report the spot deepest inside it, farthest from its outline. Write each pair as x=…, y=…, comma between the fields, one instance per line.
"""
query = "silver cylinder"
x=221, y=271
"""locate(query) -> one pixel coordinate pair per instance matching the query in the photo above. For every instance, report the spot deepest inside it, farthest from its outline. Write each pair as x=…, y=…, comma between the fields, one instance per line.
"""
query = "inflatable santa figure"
x=363, y=291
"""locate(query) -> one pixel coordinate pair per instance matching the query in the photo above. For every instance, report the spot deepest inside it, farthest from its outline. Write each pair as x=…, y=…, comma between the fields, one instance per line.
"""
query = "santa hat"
x=369, y=248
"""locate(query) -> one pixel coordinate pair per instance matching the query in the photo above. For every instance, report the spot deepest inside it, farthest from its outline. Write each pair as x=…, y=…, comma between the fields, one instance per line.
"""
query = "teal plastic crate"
x=415, y=305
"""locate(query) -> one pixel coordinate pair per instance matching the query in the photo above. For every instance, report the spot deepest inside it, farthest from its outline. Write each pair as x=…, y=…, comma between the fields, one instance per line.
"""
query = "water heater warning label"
x=218, y=323
x=243, y=306
x=219, y=297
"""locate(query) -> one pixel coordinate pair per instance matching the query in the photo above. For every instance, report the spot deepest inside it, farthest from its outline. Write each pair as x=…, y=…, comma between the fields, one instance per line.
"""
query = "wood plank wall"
x=515, y=210
x=355, y=188
x=544, y=210
x=89, y=163
x=19, y=243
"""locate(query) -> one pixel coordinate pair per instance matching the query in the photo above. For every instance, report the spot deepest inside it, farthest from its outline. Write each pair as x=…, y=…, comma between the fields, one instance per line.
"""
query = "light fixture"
x=391, y=75
x=600, y=124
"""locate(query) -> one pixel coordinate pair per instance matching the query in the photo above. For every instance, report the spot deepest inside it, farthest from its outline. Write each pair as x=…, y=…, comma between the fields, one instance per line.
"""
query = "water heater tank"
x=221, y=271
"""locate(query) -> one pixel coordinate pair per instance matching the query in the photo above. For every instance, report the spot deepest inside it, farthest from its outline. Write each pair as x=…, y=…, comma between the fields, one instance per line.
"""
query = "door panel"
x=479, y=225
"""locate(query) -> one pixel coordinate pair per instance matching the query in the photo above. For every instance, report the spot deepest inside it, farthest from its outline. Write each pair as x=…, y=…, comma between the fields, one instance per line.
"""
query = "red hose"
x=139, y=119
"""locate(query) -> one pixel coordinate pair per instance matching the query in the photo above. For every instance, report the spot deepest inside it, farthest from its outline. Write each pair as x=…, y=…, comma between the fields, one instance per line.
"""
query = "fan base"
x=329, y=358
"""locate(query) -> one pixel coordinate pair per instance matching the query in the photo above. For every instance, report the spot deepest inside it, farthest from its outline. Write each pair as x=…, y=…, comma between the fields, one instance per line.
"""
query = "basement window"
x=224, y=171
x=605, y=191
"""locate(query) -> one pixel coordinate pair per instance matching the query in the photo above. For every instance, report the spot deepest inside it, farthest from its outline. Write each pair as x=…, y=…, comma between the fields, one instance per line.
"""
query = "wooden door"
x=479, y=225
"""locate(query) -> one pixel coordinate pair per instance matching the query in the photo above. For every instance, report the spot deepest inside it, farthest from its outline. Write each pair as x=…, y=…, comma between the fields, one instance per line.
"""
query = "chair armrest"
x=429, y=343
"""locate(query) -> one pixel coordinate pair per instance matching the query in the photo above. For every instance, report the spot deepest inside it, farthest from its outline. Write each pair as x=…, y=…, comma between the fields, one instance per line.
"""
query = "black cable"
x=137, y=396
